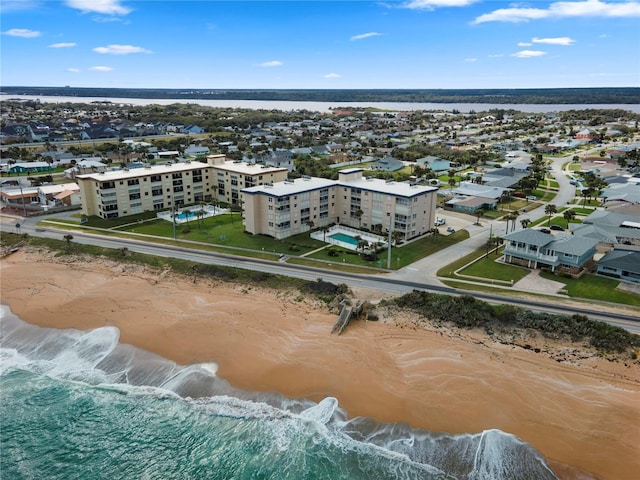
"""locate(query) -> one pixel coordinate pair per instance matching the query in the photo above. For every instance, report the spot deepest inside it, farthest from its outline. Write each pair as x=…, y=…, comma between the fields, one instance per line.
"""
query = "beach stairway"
x=346, y=314
x=343, y=319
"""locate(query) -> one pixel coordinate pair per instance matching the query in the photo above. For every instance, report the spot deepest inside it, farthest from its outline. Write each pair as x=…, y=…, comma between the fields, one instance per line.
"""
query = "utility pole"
x=173, y=220
x=389, y=243
x=24, y=207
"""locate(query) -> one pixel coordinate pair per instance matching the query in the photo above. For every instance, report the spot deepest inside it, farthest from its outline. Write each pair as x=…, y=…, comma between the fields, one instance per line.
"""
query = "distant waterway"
x=328, y=106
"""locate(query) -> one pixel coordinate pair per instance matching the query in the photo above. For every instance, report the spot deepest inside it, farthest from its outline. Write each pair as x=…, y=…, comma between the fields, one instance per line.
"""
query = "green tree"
x=550, y=210
x=568, y=215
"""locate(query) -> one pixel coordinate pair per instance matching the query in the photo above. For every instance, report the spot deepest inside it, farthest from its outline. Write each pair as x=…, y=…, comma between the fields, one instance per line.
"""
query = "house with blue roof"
x=535, y=249
x=436, y=164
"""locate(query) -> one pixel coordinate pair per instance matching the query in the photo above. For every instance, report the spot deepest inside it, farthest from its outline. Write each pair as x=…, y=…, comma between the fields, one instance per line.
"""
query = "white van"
x=439, y=222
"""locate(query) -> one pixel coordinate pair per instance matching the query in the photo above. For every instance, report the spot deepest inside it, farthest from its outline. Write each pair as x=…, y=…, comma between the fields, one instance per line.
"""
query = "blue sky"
x=320, y=44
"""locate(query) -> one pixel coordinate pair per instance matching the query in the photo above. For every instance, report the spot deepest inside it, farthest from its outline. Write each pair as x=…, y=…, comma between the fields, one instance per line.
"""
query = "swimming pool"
x=185, y=215
x=343, y=237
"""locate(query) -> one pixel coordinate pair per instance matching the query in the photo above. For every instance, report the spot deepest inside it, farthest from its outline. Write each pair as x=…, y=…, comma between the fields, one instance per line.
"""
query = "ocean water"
x=81, y=405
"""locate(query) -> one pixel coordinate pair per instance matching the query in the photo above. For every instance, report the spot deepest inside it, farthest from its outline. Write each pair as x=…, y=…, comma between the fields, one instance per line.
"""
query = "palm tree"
x=358, y=214
x=479, y=214
x=325, y=229
x=568, y=215
x=525, y=222
x=550, y=210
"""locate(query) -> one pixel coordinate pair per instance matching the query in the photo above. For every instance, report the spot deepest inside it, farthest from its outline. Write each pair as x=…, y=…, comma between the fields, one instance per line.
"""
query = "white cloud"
x=107, y=7
x=528, y=53
x=585, y=8
x=604, y=35
x=332, y=75
x=524, y=44
x=433, y=4
x=496, y=55
x=120, y=49
x=362, y=36
x=100, y=68
x=566, y=41
x=22, y=32
x=470, y=60
x=272, y=63
x=62, y=45
x=7, y=6
x=73, y=70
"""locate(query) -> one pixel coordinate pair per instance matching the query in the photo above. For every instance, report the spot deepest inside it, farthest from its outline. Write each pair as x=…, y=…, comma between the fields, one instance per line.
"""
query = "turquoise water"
x=81, y=405
x=185, y=215
x=343, y=237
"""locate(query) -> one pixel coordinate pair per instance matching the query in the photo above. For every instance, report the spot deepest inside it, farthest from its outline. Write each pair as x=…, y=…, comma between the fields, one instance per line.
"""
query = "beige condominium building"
x=230, y=177
x=294, y=206
x=125, y=192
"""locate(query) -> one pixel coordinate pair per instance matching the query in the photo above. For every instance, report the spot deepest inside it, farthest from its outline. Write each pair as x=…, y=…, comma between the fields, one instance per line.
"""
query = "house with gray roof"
x=387, y=164
x=624, y=227
x=536, y=249
x=470, y=197
x=621, y=263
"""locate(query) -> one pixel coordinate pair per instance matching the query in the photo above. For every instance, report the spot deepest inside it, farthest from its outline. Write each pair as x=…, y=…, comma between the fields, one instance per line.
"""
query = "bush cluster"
x=467, y=312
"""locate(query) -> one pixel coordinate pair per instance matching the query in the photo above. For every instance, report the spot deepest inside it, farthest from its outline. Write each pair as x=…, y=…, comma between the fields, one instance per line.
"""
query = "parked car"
x=545, y=230
x=451, y=230
x=439, y=222
x=557, y=227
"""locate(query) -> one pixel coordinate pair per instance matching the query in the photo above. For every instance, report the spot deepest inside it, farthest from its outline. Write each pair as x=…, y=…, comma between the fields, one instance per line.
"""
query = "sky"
x=322, y=44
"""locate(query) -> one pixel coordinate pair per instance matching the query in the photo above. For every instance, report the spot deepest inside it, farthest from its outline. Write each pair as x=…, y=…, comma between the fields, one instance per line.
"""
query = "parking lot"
x=455, y=220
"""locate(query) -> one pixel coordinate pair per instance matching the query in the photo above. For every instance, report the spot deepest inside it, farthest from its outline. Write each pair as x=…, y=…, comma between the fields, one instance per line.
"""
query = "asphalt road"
x=388, y=283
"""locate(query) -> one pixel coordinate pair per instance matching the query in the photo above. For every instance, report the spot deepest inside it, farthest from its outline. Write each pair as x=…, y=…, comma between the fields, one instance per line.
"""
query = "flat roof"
x=291, y=187
x=113, y=175
x=305, y=184
x=378, y=185
x=248, y=168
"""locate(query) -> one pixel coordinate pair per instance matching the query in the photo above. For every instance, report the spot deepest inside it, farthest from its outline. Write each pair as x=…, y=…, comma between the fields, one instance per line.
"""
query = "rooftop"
x=113, y=175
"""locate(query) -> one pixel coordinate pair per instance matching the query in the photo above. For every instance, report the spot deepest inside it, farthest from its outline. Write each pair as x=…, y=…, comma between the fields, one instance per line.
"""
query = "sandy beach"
x=579, y=410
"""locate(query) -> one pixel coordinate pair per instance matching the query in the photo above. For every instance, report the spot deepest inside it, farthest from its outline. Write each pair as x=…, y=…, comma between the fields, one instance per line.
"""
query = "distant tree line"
x=623, y=95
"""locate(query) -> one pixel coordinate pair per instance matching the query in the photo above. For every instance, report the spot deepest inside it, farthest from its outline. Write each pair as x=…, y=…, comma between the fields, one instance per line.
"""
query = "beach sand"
x=579, y=410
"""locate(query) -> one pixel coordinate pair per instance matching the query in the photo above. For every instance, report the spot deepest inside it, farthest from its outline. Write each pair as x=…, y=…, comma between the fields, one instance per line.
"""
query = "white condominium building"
x=125, y=192
x=294, y=206
x=232, y=176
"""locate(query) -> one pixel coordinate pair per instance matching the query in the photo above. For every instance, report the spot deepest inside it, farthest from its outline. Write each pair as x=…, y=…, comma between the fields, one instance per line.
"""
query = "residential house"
x=192, y=129
x=470, y=197
x=587, y=134
x=387, y=164
x=52, y=195
x=535, y=249
x=29, y=167
x=625, y=228
x=436, y=164
x=621, y=263
x=196, y=151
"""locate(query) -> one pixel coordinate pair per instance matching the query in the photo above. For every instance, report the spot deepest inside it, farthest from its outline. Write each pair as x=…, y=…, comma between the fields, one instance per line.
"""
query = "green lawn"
x=488, y=268
x=225, y=230
x=595, y=288
x=401, y=256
